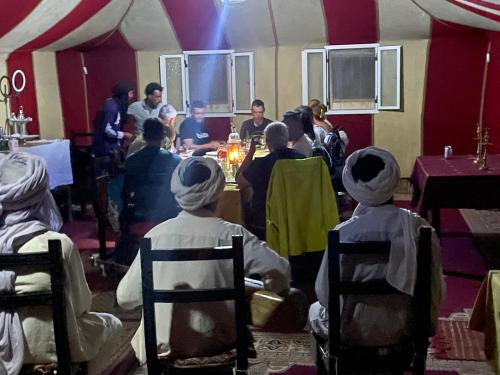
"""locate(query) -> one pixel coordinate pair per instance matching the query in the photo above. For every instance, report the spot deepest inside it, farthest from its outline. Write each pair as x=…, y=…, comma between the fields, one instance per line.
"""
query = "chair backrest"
x=150, y=295
x=421, y=301
x=52, y=262
x=82, y=140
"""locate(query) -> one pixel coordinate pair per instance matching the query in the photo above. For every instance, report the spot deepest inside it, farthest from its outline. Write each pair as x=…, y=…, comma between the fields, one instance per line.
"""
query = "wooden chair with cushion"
x=52, y=262
x=224, y=363
x=410, y=354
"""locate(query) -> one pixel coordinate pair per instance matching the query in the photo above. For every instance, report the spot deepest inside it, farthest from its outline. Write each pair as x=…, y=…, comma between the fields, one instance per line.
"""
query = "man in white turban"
x=371, y=176
x=29, y=218
x=198, y=329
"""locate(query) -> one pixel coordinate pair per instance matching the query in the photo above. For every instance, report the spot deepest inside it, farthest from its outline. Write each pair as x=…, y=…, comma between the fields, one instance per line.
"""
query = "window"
x=363, y=78
x=222, y=79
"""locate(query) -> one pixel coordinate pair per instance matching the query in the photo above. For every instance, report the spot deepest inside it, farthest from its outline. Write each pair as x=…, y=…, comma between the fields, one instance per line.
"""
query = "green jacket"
x=301, y=207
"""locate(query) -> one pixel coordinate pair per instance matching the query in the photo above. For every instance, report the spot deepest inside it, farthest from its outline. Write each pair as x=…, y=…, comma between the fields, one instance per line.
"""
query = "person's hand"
x=253, y=146
x=214, y=145
x=127, y=135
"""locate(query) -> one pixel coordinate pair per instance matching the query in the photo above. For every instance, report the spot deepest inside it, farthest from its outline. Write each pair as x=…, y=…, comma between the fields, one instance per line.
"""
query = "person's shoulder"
x=110, y=103
x=267, y=121
x=135, y=105
x=247, y=122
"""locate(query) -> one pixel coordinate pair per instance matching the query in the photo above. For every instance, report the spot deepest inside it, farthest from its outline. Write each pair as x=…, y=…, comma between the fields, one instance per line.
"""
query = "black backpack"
x=332, y=152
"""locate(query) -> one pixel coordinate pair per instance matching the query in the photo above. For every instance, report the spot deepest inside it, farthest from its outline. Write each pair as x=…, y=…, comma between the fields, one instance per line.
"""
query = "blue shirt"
x=190, y=129
x=148, y=173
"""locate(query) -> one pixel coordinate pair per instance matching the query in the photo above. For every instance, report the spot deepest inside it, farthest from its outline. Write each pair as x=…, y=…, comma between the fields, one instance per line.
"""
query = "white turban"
x=26, y=209
x=379, y=189
x=194, y=197
x=26, y=205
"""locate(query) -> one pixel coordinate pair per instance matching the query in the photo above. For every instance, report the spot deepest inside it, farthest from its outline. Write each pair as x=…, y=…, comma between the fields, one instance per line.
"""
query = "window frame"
x=378, y=76
x=163, y=80
x=186, y=74
x=251, y=68
x=305, y=74
x=328, y=48
x=398, y=77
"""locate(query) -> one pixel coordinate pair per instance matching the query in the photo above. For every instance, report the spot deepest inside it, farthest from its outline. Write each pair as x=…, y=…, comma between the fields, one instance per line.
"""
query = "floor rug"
x=277, y=352
x=455, y=341
x=122, y=360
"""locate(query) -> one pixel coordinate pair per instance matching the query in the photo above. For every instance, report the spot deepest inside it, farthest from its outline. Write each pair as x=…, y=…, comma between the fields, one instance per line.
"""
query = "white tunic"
x=200, y=328
x=89, y=333
x=374, y=320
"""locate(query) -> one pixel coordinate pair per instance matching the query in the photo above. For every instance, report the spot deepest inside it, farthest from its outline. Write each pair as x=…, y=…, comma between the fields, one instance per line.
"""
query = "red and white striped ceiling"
x=172, y=25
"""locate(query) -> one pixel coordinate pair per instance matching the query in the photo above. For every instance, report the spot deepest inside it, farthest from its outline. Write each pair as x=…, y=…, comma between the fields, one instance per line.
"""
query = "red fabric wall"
x=14, y=12
x=72, y=89
x=108, y=60
x=491, y=115
x=453, y=92
x=24, y=61
x=352, y=22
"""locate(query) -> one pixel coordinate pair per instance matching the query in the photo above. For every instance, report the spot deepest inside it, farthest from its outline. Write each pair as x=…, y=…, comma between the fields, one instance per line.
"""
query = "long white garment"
x=378, y=320
x=89, y=333
x=205, y=328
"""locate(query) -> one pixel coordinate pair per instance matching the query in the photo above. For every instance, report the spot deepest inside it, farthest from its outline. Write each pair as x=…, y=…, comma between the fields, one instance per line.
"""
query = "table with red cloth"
x=454, y=183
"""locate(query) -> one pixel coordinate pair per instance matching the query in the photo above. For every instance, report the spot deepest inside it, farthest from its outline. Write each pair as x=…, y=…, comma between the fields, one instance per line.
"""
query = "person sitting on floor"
x=254, y=174
x=371, y=176
x=29, y=218
x=197, y=184
x=296, y=121
x=146, y=194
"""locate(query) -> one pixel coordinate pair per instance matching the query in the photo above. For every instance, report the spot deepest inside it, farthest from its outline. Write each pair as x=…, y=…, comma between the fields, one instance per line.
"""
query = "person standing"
x=109, y=132
x=150, y=107
x=257, y=123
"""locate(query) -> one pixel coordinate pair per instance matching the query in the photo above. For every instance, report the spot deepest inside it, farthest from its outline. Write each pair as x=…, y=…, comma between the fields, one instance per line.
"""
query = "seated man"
x=257, y=123
x=254, y=175
x=371, y=176
x=192, y=132
x=297, y=121
x=28, y=220
x=208, y=328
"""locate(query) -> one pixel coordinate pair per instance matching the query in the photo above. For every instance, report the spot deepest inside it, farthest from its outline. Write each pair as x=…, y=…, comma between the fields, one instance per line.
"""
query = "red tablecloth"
x=455, y=183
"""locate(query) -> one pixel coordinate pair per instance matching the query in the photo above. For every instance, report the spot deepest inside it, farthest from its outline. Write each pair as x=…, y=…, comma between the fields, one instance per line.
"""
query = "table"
x=230, y=205
x=486, y=316
x=454, y=183
x=57, y=158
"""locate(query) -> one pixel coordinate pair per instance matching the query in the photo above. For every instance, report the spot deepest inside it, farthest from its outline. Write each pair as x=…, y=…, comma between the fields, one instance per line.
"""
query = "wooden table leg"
x=436, y=220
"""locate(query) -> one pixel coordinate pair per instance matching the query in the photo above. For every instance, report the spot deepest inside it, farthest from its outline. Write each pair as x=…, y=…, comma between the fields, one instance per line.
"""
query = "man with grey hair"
x=254, y=175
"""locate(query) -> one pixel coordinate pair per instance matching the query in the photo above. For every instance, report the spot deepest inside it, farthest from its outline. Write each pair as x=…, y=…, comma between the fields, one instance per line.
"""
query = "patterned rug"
x=277, y=352
x=455, y=341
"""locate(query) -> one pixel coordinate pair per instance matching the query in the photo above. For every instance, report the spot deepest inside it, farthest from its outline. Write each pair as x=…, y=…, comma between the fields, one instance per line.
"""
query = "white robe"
x=374, y=320
x=90, y=334
x=201, y=328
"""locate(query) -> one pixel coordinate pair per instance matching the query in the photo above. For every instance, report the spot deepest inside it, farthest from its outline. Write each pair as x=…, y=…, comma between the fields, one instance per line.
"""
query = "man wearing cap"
x=371, y=176
x=197, y=184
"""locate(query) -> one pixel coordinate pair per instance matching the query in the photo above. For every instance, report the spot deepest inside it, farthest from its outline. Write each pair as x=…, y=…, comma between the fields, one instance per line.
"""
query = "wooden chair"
x=51, y=261
x=410, y=354
x=82, y=141
x=151, y=296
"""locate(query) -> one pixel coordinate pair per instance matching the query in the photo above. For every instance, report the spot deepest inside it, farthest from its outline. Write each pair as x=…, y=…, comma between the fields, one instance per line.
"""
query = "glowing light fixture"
x=232, y=1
